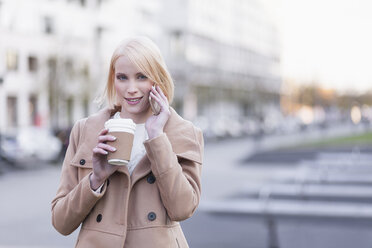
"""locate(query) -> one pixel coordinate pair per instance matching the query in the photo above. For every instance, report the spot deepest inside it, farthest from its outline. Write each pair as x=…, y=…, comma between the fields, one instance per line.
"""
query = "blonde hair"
x=146, y=56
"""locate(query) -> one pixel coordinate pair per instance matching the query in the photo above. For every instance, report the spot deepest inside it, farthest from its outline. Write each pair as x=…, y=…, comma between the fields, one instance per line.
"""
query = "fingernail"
x=113, y=137
x=114, y=149
x=106, y=152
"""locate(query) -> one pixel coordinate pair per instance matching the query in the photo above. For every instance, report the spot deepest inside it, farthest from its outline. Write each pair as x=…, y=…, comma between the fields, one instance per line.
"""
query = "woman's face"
x=132, y=90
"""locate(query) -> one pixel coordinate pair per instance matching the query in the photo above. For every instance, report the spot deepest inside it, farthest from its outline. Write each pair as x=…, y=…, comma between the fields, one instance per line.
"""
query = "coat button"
x=151, y=216
x=82, y=161
x=151, y=179
x=99, y=218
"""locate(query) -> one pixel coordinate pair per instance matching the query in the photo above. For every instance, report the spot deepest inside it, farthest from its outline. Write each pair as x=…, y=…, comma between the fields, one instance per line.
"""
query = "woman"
x=139, y=205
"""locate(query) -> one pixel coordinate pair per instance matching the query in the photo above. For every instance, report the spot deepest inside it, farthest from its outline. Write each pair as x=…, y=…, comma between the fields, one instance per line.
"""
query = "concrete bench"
x=337, y=166
x=345, y=156
x=290, y=208
x=324, y=189
x=327, y=178
x=274, y=212
x=309, y=191
x=334, y=187
x=329, y=172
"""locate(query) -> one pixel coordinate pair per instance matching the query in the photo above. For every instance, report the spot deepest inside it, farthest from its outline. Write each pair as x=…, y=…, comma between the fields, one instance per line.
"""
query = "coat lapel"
x=142, y=169
x=184, y=143
x=94, y=125
x=180, y=133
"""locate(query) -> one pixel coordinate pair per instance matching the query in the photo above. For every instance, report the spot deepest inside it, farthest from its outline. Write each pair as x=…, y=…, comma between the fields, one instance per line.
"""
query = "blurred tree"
x=296, y=95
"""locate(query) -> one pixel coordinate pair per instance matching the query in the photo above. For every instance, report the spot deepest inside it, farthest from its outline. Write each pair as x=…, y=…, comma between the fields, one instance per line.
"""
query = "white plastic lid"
x=120, y=125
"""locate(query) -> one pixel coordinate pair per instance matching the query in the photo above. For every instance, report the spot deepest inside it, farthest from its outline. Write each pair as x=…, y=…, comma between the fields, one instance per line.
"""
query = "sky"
x=327, y=41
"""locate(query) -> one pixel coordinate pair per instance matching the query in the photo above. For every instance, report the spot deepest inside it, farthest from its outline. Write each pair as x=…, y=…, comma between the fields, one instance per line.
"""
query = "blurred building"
x=47, y=53
x=54, y=56
x=224, y=54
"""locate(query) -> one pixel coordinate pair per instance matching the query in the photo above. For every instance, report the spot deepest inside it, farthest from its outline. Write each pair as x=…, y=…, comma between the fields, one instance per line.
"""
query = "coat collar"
x=180, y=133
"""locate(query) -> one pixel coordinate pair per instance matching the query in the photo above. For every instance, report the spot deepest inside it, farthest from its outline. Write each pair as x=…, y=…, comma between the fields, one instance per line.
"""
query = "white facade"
x=217, y=51
x=228, y=48
x=46, y=57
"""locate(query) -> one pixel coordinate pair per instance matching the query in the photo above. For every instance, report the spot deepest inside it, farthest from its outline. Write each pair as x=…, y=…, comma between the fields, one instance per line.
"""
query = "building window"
x=69, y=68
x=52, y=68
x=85, y=71
x=86, y=106
x=12, y=120
x=177, y=43
x=33, y=111
x=70, y=109
x=11, y=60
x=48, y=25
x=32, y=64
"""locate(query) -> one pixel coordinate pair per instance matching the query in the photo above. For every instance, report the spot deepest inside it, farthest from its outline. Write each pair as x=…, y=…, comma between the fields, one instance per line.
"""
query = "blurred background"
x=281, y=89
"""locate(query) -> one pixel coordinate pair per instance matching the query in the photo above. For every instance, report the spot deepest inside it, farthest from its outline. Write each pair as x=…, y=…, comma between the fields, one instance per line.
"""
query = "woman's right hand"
x=101, y=168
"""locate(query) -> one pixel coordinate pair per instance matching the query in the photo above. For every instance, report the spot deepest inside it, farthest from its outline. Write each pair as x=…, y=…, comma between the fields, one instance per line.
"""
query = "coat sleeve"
x=74, y=198
x=178, y=178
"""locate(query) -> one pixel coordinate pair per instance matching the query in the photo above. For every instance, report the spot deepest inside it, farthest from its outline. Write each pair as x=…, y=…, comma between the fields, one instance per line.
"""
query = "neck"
x=137, y=118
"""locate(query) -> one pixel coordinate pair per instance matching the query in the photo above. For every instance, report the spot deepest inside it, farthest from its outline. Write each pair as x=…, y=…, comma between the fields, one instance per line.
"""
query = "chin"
x=137, y=110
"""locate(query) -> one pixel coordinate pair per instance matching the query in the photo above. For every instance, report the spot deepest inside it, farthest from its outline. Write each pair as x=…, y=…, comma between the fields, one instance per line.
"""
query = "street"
x=26, y=215
x=25, y=208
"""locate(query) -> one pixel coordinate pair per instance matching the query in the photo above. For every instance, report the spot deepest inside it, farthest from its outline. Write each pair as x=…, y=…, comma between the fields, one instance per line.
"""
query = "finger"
x=106, y=147
x=154, y=91
x=103, y=131
x=155, y=97
x=164, y=105
x=162, y=101
x=161, y=93
x=99, y=151
x=105, y=138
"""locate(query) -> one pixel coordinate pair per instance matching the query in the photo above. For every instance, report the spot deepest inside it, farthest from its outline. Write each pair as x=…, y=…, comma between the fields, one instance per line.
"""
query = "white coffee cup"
x=123, y=130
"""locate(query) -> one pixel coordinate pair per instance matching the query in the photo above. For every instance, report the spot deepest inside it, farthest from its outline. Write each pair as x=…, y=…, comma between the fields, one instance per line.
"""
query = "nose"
x=132, y=88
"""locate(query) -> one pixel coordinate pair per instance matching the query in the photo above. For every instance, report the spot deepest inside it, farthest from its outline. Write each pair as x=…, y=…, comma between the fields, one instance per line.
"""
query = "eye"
x=141, y=76
x=121, y=77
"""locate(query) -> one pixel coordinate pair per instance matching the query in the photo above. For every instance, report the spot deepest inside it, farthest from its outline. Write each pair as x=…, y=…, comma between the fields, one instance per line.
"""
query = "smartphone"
x=155, y=107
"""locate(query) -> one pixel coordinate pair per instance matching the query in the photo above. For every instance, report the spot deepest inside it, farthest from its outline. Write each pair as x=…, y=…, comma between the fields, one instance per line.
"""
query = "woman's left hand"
x=155, y=123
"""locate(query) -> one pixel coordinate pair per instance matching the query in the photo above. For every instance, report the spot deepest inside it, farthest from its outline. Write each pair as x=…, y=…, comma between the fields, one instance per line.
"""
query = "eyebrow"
x=122, y=73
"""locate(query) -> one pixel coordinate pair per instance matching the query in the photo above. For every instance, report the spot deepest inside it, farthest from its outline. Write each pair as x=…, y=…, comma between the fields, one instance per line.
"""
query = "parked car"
x=31, y=143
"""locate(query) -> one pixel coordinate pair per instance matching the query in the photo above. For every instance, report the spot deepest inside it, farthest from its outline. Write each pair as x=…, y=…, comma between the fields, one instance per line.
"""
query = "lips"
x=134, y=100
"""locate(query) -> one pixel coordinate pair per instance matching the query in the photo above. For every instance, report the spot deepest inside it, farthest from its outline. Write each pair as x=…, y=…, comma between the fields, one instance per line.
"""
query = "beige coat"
x=141, y=210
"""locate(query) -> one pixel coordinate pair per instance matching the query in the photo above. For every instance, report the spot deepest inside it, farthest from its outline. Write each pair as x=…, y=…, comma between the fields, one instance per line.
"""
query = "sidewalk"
x=224, y=173
x=25, y=208
x=26, y=215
